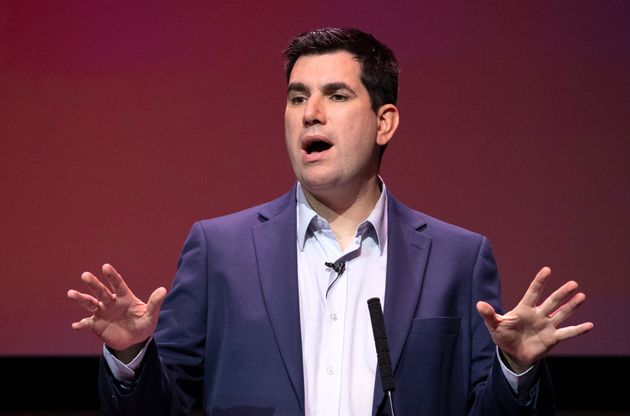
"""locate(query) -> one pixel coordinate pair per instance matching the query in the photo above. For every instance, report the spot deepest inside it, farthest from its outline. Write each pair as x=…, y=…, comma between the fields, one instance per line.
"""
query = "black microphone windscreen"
x=382, y=347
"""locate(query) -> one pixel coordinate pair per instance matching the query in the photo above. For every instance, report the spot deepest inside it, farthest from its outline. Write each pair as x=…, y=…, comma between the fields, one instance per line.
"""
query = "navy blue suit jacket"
x=229, y=329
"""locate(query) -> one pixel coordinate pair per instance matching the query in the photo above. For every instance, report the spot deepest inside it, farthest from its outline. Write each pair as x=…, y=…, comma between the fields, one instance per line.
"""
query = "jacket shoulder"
x=252, y=216
x=428, y=224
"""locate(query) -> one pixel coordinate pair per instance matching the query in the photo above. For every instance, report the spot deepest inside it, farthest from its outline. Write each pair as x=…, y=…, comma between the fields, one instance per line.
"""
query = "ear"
x=387, y=119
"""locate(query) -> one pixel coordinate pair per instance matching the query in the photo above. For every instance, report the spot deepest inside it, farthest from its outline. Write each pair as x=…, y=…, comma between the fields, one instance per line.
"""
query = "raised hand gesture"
x=529, y=331
x=118, y=317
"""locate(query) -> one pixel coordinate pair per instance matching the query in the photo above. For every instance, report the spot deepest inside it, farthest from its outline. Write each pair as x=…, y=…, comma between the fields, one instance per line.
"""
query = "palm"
x=124, y=322
x=524, y=334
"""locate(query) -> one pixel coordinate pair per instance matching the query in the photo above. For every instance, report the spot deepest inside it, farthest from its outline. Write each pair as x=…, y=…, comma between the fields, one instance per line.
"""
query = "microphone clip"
x=339, y=266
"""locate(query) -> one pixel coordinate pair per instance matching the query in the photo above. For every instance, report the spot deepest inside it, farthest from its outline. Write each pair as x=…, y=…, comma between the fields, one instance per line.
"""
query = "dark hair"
x=379, y=66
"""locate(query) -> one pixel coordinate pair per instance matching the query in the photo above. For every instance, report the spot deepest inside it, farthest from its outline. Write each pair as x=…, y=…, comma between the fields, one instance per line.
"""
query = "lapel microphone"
x=339, y=266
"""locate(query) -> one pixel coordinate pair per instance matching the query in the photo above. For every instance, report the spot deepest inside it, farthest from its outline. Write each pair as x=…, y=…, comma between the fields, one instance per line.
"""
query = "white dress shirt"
x=338, y=350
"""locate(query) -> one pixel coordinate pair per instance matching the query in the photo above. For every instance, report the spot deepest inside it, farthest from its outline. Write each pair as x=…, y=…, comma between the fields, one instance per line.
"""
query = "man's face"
x=331, y=130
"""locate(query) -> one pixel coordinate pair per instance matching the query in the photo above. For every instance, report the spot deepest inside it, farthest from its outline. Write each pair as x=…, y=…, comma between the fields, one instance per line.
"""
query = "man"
x=267, y=314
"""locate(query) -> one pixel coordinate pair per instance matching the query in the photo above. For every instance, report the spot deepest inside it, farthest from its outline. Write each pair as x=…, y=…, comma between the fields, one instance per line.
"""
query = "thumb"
x=155, y=301
x=488, y=314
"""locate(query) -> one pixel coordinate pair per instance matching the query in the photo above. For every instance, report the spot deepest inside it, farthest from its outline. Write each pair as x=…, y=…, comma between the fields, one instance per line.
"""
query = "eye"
x=338, y=97
x=297, y=99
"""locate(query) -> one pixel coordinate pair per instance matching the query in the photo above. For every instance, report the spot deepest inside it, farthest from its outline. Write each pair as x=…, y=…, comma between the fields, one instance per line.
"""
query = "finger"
x=558, y=297
x=573, y=331
x=155, y=301
x=487, y=312
x=83, y=324
x=100, y=291
x=88, y=302
x=566, y=310
x=116, y=281
x=536, y=287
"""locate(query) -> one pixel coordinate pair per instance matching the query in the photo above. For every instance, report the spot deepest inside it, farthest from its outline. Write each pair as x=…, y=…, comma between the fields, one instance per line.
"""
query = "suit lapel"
x=407, y=255
x=276, y=255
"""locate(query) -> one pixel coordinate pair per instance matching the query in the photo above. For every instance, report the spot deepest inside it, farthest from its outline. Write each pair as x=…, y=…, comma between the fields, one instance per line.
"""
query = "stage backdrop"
x=122, y=123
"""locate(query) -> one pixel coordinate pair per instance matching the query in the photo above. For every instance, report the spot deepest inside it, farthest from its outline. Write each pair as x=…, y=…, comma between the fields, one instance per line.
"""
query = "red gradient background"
x=122, y=124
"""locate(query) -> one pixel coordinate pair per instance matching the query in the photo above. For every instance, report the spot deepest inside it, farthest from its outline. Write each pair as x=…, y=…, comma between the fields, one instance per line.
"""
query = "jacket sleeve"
x=170, y=377
x=491, y=393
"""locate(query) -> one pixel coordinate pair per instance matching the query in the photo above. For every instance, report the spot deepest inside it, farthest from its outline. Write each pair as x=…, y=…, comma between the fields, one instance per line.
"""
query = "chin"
x=318, y=185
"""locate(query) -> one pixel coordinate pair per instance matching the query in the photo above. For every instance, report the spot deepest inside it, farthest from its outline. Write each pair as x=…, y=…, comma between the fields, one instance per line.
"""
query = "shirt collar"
x=306, y=216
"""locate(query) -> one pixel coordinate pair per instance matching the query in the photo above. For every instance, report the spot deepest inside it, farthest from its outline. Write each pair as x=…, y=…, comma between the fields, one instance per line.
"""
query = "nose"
x=314, y=112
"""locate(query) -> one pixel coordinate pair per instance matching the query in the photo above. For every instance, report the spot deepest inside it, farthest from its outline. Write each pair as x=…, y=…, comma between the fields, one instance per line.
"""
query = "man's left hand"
x=529, y=331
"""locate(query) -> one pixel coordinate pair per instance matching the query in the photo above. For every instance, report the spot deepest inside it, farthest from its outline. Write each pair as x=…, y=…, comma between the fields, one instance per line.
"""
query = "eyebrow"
x=327, y=88
x=297, y=87
x=336, y=86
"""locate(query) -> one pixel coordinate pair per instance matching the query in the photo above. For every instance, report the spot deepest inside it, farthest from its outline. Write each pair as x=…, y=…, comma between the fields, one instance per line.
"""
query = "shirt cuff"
x=520, y=383
x=124, y=373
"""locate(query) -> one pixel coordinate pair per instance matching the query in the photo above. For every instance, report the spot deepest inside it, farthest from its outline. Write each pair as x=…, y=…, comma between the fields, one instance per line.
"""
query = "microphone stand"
x=391, y=402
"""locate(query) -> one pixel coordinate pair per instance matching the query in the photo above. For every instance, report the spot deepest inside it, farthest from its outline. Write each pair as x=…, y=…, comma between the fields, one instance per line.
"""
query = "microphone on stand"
x=382, y=349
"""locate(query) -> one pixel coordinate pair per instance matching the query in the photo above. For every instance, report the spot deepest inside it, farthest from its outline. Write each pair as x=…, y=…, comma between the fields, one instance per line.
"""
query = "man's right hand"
x=119, y=318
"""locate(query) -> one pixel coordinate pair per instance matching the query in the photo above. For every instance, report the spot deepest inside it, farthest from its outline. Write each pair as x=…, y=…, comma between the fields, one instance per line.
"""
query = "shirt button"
x=333, y=316
x=330, y=371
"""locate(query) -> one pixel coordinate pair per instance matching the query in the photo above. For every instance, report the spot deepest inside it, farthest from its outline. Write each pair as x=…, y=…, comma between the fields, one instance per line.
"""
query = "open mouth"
x=316, y=146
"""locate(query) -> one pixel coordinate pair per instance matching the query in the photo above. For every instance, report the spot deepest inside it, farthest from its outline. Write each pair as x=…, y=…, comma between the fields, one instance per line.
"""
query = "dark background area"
x=123, y=123
x=583, y=385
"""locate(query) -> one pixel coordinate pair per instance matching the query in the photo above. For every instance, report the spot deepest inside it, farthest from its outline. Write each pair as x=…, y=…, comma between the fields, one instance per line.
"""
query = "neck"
x=345, y=210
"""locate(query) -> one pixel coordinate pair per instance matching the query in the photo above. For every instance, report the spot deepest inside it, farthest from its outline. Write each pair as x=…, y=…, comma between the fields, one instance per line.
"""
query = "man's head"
x=379, y=66
x=340, y=113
